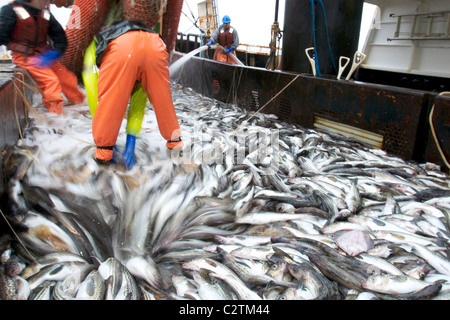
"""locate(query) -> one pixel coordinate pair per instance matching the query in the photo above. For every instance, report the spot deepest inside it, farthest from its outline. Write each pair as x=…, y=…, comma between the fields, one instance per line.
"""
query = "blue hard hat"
x=226, y=19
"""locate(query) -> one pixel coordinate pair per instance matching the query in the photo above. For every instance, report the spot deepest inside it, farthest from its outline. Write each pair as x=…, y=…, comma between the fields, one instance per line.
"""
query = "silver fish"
x=265, y=217
x=244, y=240
x=209, y=288
x=92, y=287
x=222, y=272
x=66, y=289
x=247, y=273
x=7, y=286
x=185, y=287
x=144, y=268
x=394, y=284
x=379, y=264
x=441, y=264
x=55, y=272
x=314, y=282
x=23, y=290
x=43, y=291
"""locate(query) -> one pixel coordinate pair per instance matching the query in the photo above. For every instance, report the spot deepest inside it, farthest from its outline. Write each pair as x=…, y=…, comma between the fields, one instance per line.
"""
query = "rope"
x=40, y=118
x=233, y=88
x=22, y=94
x=17, y=236
x=447, y=93
x=273, y=98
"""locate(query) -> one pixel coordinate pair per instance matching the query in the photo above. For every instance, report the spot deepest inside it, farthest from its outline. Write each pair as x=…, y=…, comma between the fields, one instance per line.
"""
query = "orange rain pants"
x=51, y=81
x=133, y=56
x=223, y=57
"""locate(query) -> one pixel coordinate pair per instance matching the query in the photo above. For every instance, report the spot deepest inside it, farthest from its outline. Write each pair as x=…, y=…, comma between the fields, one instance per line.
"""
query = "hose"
x=447, y=93
x=316, y=58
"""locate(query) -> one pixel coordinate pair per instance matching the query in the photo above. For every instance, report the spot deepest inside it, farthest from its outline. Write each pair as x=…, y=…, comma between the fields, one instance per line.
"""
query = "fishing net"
x=171, y=20
x=88, y=17
x=146, y=11
x=162, y=15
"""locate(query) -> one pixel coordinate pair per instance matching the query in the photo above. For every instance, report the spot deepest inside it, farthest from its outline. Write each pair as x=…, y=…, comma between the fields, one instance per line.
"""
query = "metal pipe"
x=397, y=29
x=430, y=26
x=421, y=14
x=276, y=10
x=419, y=38
x=413, y=26
x=448, y=25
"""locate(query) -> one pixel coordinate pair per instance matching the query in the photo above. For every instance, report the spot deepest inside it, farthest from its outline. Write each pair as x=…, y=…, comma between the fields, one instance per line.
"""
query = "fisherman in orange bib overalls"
x=25, y=28
x=228, y=38
x=131, y=55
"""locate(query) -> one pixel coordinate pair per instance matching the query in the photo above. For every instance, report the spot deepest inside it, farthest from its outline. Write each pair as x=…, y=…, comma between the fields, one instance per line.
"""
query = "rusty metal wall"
x=12, y=111
x=398, y=114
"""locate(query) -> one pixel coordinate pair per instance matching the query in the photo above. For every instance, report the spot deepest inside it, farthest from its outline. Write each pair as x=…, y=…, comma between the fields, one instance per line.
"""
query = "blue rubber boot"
x=128, y=154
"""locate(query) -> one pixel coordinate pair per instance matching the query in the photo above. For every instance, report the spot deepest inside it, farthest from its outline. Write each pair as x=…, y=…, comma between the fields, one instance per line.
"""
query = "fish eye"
x=212, y=263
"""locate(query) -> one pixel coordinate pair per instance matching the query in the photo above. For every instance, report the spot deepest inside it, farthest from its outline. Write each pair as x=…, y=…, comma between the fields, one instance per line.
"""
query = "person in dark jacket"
x=26, y=28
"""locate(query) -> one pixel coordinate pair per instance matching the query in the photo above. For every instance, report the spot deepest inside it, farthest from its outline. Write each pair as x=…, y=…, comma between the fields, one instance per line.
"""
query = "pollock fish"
x=379, y=264
x=244, y=240
x=321, y=238
x=66, y=289
x=47, y=234
x=144, y=268
x=50, y=259
x=375, y=224
x=441, y=264
x=406, y=238
x=265, y=217
x=92, y=287
x=248, y=209
x=248, y=274
x=347, y=277
x=320, y=287
x=394, y=284
x=7, y=286
x=55, y=272
x=185, y=287
x=43, y=291
x=222, y=272
x=209, y=289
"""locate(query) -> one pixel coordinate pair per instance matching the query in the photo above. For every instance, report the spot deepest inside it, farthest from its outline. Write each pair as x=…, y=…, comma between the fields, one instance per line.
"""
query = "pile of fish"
x=251, y=208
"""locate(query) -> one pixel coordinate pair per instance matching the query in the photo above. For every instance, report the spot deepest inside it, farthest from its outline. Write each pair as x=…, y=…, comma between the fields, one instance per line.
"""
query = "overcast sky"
x=252, y=19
